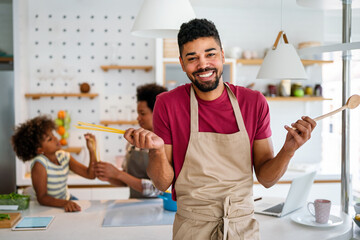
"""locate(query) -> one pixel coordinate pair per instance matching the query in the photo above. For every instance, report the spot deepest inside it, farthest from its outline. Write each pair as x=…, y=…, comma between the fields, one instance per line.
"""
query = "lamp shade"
x=282, y=62
x=162, y=18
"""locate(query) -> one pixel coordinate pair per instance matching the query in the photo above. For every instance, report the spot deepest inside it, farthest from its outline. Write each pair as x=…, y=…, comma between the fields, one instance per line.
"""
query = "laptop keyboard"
x=275, y=209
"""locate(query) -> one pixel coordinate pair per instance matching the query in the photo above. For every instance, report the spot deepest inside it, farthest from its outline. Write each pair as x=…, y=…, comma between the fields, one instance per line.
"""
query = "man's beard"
x=206, y=86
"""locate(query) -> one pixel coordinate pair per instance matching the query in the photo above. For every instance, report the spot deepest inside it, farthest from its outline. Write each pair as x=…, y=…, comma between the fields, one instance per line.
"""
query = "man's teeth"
x=206, y=75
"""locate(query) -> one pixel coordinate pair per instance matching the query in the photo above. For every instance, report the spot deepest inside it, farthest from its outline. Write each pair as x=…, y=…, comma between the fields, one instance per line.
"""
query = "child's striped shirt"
x=56, y=174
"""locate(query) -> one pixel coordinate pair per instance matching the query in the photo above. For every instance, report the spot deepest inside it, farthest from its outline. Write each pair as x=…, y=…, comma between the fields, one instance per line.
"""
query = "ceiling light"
x=282, y=62
x=162, y=18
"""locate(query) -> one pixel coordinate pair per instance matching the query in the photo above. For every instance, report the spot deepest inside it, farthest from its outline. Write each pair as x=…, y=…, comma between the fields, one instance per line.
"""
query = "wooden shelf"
x=298, y=99
x=311, y=62
x=250, y=61
x=40, y=95
x=109, y=67
x=259, y=62
x=120, y=122
x=75, y=150
x=6, y=59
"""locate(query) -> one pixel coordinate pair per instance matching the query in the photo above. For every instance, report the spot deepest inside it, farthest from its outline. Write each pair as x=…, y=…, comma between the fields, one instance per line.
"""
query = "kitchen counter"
x=87, y=224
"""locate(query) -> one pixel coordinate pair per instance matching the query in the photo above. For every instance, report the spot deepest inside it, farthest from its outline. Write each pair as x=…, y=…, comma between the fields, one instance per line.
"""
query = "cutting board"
x=6, y=223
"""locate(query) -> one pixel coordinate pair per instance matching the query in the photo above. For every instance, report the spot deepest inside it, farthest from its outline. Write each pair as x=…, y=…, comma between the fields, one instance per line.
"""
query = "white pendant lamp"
x=282, y=62
x=162, y=18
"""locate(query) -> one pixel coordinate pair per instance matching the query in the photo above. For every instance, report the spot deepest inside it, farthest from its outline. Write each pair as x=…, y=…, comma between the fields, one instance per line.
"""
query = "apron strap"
x=194, y=114
x=236, y=108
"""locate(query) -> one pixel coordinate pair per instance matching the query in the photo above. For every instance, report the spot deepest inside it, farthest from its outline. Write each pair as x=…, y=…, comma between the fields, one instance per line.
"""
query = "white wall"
x=60, y=44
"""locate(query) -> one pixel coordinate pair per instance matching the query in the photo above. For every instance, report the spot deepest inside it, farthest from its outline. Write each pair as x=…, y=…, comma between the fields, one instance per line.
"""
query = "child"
x=135, y=164
x=34, y=140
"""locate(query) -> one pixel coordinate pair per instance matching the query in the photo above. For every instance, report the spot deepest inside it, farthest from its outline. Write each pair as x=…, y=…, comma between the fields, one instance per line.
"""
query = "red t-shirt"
x=171, y=118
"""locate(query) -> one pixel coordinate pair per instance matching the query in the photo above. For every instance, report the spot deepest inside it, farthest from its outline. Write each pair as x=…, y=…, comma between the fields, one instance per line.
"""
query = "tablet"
x=33, y=223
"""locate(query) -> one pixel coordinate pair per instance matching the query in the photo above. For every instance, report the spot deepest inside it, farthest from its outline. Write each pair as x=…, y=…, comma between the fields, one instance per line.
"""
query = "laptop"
x=296, y=198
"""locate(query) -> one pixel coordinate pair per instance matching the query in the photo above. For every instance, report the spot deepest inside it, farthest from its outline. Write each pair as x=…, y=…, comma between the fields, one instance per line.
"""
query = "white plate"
x=309, y=220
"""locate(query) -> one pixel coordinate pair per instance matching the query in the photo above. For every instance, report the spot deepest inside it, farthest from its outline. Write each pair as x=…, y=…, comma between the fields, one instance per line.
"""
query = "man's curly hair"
x=148, y=93
x=195, y=29
x=28, y=136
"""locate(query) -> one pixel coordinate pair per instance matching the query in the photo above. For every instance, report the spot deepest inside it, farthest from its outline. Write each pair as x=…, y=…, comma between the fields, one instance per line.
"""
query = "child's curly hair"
x=28, y=136
x=148, y=93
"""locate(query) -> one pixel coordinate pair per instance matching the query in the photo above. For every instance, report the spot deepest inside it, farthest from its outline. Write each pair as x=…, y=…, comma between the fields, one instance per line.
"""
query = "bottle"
x=318, y=90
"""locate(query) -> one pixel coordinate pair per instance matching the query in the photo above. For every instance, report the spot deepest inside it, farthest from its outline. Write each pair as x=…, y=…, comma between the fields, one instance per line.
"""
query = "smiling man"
x=208, y=137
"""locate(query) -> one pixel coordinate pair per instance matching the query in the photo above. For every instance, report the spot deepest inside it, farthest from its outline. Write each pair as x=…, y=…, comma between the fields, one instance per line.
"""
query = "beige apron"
x=214, y=187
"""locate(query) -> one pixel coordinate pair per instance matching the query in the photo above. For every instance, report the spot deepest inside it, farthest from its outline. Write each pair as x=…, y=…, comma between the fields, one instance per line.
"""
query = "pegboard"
x=67, y=42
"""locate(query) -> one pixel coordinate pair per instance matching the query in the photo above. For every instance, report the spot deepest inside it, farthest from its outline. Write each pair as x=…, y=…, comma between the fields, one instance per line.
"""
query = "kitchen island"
x=87, y=224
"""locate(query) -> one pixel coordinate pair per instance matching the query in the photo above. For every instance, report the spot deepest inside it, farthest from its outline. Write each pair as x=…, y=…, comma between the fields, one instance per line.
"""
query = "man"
x=207, y=137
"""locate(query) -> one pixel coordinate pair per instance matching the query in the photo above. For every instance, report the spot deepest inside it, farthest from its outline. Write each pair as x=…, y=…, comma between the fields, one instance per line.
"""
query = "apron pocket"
x=189, y=229
x=246, y=230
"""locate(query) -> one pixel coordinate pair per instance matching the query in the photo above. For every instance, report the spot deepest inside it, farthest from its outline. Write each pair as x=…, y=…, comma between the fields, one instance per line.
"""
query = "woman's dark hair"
x=28, y=136
x=148, y=93
x=195, y=29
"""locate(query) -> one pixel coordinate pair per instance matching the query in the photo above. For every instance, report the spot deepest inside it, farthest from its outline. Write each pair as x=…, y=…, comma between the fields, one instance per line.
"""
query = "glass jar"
x=297, y=90
x=318, y=90
x=309, y=91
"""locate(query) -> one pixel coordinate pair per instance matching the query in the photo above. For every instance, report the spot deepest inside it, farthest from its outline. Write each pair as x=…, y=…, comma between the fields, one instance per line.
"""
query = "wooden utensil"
x=351, y=103
x=8, y=223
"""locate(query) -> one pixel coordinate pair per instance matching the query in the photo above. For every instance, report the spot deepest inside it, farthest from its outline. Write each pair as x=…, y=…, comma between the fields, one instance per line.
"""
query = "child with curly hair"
x=34, y=140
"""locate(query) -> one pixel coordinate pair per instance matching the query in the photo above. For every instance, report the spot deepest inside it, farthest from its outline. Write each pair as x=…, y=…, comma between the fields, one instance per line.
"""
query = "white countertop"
x=87, y=224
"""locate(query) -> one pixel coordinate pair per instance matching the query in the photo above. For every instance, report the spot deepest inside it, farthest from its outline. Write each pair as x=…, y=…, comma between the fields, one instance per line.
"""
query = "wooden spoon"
x=351, y=103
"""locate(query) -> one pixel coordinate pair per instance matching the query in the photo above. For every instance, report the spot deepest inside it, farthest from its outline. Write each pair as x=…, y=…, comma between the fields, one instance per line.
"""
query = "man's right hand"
x=143, y=138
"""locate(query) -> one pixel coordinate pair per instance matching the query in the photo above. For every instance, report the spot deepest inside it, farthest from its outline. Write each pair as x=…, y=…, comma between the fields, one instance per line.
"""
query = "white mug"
x=322, y=210
x=357, y=208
